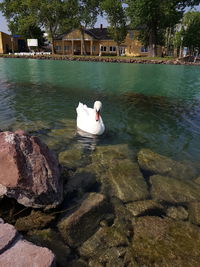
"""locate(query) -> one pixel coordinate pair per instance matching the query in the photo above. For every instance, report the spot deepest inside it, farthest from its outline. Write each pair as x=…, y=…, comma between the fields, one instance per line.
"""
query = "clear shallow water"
x=152, y=106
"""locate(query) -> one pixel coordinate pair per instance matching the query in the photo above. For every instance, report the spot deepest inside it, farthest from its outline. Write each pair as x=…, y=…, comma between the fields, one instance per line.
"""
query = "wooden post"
x=91, y=47
x=72, y=47
x=81, y=47
x=63, y=47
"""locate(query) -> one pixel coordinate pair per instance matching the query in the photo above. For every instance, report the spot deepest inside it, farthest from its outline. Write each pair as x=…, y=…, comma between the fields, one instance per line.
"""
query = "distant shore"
x=109, y=59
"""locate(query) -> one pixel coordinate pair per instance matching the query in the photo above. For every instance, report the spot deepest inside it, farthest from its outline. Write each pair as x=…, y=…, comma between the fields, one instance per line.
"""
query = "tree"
x=25, y=16
x=117, y=20
x=49, y=14
x=87, y=12
x=191, y=31
x=154, y=17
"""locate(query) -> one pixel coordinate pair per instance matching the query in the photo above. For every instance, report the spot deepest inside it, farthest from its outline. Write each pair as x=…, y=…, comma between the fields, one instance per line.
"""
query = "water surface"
x=152, y=106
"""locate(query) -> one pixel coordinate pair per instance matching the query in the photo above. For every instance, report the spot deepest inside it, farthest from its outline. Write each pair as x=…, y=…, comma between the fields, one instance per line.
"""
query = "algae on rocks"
x=78, y=226
x=172, y=190
x=138, y=208
x=154, y=163
x=165, y=242
x=36, y=220
x=124, y=180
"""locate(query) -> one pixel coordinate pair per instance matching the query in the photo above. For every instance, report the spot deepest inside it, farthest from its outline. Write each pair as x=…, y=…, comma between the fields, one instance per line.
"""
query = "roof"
x=96, y=33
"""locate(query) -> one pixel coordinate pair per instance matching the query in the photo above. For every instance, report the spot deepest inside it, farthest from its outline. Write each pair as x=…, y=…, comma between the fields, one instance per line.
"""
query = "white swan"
x=89, y=119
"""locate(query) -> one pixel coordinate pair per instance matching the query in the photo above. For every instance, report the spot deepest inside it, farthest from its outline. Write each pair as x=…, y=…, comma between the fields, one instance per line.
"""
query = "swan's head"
x=97, y=108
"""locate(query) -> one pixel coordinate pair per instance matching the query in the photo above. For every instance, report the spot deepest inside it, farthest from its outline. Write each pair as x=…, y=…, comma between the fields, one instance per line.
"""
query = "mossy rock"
x=36, y=220
x=177, y=213
x=194, y=212
x=124, y=180
x=106, y=154
x=166, y=242
x=76, y=227
x=172, y=190
x=71, y=158
x=138, y=208
x=154, y=163
x=80, y=182
x=52, y=240
x=30, y=126
x=108, y=247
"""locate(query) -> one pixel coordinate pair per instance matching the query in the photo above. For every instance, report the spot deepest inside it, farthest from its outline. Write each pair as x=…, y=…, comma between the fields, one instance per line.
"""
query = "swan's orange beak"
x=97, y=116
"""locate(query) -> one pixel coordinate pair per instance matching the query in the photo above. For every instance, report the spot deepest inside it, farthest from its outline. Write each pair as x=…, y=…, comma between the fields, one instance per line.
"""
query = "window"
x=112, y=48
x=103, y=48
x=94, y=48
x=66, y=48
x=144, y=49
x=58, y=48
x=131, y=35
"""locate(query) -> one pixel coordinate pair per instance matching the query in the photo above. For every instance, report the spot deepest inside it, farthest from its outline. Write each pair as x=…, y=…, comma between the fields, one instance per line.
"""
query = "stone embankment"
x=136, y=60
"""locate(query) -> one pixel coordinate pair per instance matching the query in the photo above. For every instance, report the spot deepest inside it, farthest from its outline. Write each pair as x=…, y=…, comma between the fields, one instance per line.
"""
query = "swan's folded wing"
x=82, y=109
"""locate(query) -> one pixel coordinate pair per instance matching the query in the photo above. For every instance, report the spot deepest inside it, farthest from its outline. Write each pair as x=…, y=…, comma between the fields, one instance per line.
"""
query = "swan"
x=89, y=119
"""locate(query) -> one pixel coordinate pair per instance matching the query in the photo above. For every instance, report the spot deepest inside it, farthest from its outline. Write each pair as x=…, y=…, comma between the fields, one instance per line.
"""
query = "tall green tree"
x=87, y=12
x=153, y=17
x=117, y=20
x=191, y=31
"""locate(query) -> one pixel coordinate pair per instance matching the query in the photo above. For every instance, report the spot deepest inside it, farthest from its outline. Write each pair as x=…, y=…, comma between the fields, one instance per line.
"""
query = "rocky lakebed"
x=106, y=207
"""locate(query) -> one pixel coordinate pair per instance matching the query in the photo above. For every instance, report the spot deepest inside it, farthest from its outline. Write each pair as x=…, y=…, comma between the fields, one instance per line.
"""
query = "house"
x=98, y=42
x=11, y=43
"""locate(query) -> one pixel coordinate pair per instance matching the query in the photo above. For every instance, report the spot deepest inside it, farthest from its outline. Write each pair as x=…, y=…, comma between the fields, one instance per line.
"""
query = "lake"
x=151, y=106
x=118, y=209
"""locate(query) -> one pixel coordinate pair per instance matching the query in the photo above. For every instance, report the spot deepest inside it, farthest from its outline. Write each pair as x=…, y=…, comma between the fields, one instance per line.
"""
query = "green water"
x=152, y=106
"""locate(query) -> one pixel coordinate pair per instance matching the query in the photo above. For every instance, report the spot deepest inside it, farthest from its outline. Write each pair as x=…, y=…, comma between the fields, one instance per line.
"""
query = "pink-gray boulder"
x=15, y=251
x=30, y=172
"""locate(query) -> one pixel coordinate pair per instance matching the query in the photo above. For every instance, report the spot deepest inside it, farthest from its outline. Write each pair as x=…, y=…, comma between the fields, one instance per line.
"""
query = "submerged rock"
x=77, y=227
x=174, y=191
x=119, y=176
x=36, y=220
x=106, y=154
x=165, y=242
x=82, y=181
x=52, y=240
x=124, y=180
x=71, y=159
x=157, y=164
x=177, y=213
x=194, y=212
x=108, y=247
x=138, y=208
x=29, y=171
x=15, y=251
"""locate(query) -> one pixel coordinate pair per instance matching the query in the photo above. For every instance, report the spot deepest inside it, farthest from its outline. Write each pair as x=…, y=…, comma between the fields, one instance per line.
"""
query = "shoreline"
x=104, y=59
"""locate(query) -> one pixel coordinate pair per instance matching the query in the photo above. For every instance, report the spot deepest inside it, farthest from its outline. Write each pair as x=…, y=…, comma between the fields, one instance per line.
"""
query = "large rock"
x=77, y=227
x=29, y=171
x=172, y=190
x=166, y=242
x=154, y=163
x=15, y=251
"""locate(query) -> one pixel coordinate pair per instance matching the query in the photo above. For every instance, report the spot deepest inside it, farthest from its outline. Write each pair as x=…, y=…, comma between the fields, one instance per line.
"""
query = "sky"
x=4, y=28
